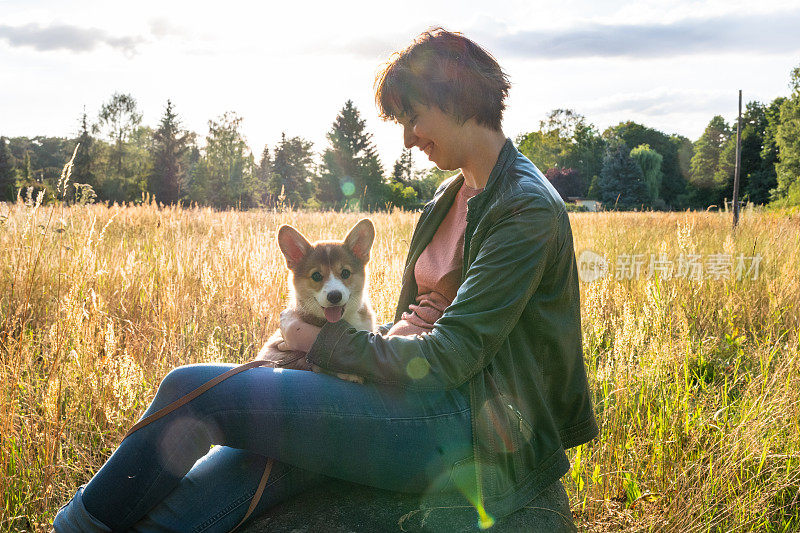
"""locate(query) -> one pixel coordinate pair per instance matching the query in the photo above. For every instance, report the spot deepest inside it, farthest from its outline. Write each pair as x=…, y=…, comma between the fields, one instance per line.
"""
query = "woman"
x=478, y=386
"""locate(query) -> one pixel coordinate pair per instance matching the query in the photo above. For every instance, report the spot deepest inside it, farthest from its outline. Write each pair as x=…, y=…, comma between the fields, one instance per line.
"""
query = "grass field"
x=696, y=380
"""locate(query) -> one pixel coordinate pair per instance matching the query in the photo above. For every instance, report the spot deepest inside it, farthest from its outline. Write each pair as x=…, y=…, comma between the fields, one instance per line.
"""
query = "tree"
x=726, y=170
x=565, y=140
x=8, y=182
x=754, y=123
x=167, y=178
x=39, y=161
x=585, y=152
x=292, y=170
x=650, y=162
x=119, y=117
x=705, y=162
x=671, y=147
x=788, y=140
x=547, y=147
x=351, y=173
x=263, y=177
x=544, y=149
x=567, y=181
x=228, y=164
x=764, y=179
x=375, y=190
x=404, y=167
x=82, y=166
x=621, y=183
x=401, y=191
x=562, y=122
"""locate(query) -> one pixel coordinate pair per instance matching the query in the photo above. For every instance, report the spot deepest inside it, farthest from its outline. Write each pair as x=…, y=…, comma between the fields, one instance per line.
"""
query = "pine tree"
x=263, y=177
x=82, y=166
x=621, y=184
x=352, y=173
x=401, y=192
x=404, y=167
x=8, y=184
x=170, y=148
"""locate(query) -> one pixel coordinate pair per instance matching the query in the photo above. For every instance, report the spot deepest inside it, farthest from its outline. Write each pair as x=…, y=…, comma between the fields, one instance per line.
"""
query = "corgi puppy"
x=328, y=283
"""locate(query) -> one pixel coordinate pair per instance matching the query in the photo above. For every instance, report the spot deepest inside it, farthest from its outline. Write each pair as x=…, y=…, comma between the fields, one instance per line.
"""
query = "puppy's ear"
x=360, y=238
x=293, y=245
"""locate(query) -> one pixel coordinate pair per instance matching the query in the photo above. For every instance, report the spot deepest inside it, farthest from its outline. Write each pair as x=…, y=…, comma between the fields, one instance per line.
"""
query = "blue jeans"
x=163, y=477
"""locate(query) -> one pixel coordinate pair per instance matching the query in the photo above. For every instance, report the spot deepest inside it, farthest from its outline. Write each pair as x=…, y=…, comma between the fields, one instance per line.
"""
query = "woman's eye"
x=345, y=274
x=316, y=276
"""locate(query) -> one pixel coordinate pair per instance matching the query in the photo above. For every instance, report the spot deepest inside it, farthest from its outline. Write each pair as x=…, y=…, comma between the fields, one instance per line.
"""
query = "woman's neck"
x=484, y=149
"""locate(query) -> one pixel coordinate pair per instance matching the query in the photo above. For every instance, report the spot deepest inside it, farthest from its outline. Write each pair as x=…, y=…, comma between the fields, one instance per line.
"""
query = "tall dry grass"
x=696, y=383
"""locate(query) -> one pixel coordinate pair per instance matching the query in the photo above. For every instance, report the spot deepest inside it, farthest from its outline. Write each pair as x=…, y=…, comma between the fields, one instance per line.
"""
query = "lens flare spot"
x=417, y=368
x=485, y=520
x=173, y=442
x=348, y=188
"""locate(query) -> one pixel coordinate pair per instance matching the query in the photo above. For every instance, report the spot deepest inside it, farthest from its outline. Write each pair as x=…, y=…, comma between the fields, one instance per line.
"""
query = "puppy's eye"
x=345, y=274
x=316, y=276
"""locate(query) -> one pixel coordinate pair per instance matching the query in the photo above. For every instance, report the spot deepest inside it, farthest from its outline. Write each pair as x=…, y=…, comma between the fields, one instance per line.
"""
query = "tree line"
x=627, y=166
x=117, y=159
x=632, y=166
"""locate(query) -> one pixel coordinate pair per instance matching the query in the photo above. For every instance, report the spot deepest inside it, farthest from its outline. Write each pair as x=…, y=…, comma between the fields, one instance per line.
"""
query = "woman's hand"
x=297, y=335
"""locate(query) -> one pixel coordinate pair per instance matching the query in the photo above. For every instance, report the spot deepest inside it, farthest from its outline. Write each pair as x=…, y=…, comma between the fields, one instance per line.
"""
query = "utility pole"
x=738, y=157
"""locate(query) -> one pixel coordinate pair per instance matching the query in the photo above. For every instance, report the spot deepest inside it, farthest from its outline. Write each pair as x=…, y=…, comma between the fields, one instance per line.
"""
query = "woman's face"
x=436, y=133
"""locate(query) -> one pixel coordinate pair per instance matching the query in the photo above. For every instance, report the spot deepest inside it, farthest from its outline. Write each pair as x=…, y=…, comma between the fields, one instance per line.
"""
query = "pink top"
x=438, y=270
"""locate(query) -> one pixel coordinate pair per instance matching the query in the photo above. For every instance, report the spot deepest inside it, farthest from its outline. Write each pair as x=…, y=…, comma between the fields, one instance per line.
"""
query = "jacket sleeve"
x=498, y=285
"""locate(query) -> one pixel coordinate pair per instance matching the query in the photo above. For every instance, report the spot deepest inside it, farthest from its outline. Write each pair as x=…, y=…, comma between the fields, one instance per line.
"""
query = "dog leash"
x=183, y=400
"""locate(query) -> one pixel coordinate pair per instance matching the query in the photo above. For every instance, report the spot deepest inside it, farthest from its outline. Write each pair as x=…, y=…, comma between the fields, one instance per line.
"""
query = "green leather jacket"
x=511, y=337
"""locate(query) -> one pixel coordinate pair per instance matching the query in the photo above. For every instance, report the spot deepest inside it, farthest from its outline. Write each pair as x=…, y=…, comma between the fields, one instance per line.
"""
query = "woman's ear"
x=293, y=245
x=360, y=238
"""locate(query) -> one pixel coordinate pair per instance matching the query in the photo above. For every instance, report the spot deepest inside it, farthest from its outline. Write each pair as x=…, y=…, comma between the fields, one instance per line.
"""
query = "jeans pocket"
x=462, y=477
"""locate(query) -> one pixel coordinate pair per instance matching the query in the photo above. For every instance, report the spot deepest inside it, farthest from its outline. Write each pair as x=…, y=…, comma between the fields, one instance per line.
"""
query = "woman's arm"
x=499, y=283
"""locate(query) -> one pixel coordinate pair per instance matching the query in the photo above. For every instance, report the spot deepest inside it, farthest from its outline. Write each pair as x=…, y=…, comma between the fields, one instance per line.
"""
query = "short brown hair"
x=446, y=70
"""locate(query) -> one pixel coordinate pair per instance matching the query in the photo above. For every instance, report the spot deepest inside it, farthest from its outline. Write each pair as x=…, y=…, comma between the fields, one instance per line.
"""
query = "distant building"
x=589, y=205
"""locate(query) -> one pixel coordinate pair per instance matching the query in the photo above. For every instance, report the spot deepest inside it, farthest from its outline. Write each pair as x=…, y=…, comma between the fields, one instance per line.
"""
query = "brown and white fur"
x=328, y=281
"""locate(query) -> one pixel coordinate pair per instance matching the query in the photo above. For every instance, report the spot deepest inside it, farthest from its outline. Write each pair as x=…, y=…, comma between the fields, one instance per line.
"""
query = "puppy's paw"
x=346, y=377
x=351, y=377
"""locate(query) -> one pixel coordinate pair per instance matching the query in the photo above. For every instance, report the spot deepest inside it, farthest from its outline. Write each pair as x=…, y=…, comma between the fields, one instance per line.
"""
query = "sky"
x=290, y=66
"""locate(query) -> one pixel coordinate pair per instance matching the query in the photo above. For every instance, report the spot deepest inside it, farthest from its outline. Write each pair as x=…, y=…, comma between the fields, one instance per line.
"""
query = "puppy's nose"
x=334, y=297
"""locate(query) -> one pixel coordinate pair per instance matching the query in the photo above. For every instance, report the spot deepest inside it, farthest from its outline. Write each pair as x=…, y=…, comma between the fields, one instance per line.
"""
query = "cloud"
x=368, y=47
x=162, y=27
x=66, y=37
x=660, y=102
x=775, y=32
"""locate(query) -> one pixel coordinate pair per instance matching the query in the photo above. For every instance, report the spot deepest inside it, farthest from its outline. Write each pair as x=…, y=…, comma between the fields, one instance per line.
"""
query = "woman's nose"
x=409, y=138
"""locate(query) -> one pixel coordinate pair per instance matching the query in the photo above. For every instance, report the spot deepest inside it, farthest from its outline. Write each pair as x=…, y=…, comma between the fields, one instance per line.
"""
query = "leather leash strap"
x=183, y=400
